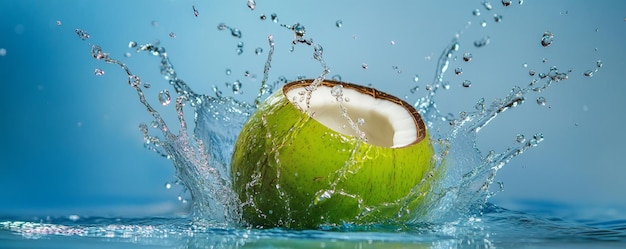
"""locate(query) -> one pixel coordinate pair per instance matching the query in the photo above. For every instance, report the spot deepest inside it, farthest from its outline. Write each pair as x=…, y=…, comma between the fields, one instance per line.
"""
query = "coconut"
x=331, y=153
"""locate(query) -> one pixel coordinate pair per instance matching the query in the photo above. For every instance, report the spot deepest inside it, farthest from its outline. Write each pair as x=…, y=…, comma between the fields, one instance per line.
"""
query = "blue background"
x=69, y=140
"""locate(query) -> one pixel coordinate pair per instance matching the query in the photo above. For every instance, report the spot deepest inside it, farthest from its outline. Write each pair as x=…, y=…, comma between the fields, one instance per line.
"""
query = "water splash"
x=202, y=158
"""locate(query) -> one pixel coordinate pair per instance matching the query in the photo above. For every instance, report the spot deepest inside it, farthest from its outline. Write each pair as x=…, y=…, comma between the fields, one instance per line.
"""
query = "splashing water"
x=202, y=156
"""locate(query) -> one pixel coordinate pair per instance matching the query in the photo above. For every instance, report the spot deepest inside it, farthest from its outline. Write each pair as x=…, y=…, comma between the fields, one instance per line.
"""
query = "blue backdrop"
x=70, y=142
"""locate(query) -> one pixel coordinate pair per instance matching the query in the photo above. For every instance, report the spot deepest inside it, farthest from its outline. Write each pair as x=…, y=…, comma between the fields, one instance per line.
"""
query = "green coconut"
x=331, y=154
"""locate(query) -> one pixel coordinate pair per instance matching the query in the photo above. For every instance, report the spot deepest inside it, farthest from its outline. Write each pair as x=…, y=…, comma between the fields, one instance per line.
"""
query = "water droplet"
x=414, y=89
x=318, y=50
x=360, y=121
x=520, y=138
x=483, y=23
x=258, y=51
x=541, y=101
x=168, y=185
x=251, y=4
x=164, y=97
x=263, y=17
x=274, y=17
x=339, y=23
x=235, y=33
x=195, y=11
x=298, y=29
x=132, y=44
x=127, y=54
x=222, y=26
x=172, y=34
x=532, y=72
x=146, y=85
x=588, y=73
x=476, y=12
x=239, y=48
x=466, y=83
x=537, y=138
x=228, y=71
x=547, y=38
x=497, y=18
x=364, y=66
x=237, y=87
x=446, y=85
x=59, y=23
x=467, y=56
x=337, y=91
x=336, y=77
x=416, y=78
x=506, y=3
x=521, y=2
x=458, y=71
x=525, y=65
x=98, y=72
x=599, y=63
x=482, y=42
x=487, y=5
x=83, y=35
x=155, y=24
x=392, y=42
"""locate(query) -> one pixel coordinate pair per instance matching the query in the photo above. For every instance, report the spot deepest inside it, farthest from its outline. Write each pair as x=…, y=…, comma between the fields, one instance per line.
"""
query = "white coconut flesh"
x=386, y=123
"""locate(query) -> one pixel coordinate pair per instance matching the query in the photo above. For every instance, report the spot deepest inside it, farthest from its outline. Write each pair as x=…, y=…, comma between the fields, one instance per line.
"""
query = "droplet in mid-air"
x=132, y=44
x=497, y=18
x=339, y=23
x=467, y=56
x=258, y=51
x=164, y=97
x=195, y=11
x=274, y=17
x=222, y=26
x=364, y=66
x=476, y=12
x=547, y=38
x=236, y=33
x=520, y=138
x=172, y=34
x=251, y=4
x=239, y=48
x=466, y=83
x=599, y=63
x=228, y=71
x=588, y=73
x=98, y=72
x=263, y=17
x=416, y=78
x=337, y=91
x=59, y=23
x=336, y=77
x=487, y=5
x=458, y=71
x=482, y=42
x=83, y=35
x=532, y=72
x=236, y=87
x=541, y=100
x=506, y=3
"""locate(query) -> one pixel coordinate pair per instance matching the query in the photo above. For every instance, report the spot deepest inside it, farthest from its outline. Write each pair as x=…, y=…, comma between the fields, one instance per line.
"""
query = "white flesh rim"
x=388, y=121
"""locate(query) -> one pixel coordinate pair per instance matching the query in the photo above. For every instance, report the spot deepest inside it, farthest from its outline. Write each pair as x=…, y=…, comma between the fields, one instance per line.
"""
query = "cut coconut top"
x=386, y=120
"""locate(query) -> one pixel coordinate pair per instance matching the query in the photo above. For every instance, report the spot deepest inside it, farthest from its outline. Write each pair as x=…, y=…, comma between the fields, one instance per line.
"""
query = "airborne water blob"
x=547, y=38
